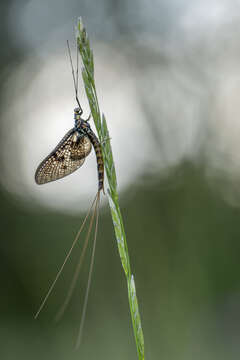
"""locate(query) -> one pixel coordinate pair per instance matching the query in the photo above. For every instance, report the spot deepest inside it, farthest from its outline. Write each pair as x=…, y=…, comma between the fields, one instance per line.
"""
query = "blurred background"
x=168, y=81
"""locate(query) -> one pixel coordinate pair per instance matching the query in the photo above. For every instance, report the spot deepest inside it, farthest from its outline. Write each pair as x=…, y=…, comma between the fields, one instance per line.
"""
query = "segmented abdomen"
x=98, y=151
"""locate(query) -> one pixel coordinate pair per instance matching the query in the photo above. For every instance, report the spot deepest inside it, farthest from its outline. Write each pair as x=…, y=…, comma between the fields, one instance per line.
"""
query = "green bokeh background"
x=183, y=240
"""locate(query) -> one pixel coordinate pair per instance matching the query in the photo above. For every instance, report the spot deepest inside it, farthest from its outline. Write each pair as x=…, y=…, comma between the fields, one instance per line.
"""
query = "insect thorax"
x=81, y=125
x=77, y=116
x=81, y=132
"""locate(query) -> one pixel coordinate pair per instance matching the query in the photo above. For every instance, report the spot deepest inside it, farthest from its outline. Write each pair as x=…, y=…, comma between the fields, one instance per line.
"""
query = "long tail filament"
x=96, y=211
x=96, y=199
x=79, y=265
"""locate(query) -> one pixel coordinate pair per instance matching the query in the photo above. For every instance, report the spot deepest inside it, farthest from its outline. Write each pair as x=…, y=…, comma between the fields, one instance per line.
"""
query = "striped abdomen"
x=98, y=151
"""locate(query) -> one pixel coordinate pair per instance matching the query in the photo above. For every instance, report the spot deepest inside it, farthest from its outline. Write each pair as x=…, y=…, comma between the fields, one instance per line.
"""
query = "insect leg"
x=105, y=140
x=89, y=117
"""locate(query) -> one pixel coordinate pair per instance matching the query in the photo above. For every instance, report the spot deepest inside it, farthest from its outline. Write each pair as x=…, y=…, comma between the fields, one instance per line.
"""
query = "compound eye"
x=77, y=110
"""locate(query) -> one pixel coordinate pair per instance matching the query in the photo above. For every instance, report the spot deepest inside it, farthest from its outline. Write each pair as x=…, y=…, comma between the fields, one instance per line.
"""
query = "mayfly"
x=68, y=156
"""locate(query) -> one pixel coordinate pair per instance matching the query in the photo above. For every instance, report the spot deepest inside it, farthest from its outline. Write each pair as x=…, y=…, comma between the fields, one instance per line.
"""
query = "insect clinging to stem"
x=72, y=150
x=68, y=156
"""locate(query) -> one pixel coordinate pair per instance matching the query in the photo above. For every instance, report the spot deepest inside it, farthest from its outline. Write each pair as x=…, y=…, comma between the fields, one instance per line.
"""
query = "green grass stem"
x=102, y=130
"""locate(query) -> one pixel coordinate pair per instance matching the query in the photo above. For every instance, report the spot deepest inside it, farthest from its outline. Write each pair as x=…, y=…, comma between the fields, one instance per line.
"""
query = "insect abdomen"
x=100, y=165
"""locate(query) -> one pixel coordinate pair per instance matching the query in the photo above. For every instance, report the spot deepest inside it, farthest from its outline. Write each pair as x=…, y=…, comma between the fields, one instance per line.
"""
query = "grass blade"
x=103, y=133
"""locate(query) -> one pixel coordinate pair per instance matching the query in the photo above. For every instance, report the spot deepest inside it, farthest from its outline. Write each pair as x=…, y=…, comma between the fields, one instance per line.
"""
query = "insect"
x=68, y=156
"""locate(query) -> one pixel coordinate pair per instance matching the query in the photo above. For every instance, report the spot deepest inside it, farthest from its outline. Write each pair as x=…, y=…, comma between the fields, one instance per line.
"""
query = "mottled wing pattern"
x=67, y=157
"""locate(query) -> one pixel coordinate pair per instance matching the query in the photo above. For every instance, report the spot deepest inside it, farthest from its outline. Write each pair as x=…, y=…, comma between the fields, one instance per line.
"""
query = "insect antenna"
x=77, y=69
x=96, y=212
x=78, y=268
x=66, y=258
x=75, y=78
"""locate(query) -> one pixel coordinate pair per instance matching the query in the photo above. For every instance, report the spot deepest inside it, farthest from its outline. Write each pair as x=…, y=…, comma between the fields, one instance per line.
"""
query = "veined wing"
x=67, y=157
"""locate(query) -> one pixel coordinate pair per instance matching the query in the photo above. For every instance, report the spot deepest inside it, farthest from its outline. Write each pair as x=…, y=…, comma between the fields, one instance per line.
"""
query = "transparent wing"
x=67, y=157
